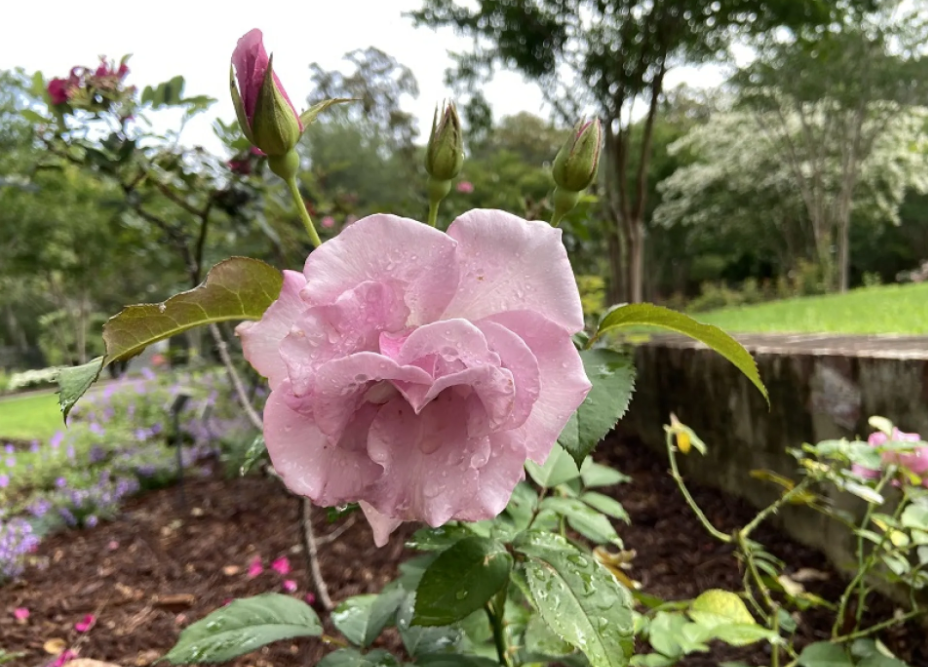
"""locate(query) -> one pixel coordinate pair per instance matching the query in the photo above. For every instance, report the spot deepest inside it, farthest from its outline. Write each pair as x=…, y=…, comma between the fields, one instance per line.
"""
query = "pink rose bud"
x=58, y=91
x=289, y=585
x=281, y=566
x=328, y=222
x=265, y=112
x=444, y=154
x=453, y=375
x=20, y=613
x=465, y=187
x=576, y=163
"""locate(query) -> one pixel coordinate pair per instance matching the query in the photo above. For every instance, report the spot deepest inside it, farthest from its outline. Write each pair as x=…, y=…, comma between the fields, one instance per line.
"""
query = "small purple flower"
x=148, y=373
x=96, y=429
x=61, y=482
x=11, y=461
x=71, y=452
x=141, y=434
x=9, y=449
x=156, y=429
x=68, y=516
x=34, y=447
x=97, y=454
x=56, y=439
x=91, y=521
x=4, y=481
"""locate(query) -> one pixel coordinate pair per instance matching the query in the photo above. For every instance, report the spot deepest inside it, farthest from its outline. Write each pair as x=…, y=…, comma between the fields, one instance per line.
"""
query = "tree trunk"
x=844, y=254
x=634, y=232
x=616, y=291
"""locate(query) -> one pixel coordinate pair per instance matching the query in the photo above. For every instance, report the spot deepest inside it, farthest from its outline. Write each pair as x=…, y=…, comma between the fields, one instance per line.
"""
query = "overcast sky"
x=195, y=38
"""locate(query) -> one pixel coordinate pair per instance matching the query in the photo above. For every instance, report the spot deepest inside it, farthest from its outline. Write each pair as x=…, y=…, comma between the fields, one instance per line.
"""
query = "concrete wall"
x=820, y=388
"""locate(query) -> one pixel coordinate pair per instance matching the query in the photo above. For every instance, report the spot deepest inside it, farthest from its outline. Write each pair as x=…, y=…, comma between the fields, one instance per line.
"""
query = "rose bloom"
x=916, y=460
x=414, y=371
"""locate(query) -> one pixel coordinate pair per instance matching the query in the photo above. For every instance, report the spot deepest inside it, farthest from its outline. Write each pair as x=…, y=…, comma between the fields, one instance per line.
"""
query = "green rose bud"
x=445, y=152
x=575, y=165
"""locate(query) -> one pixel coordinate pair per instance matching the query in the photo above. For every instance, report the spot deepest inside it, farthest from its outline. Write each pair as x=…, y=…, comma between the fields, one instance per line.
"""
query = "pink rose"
x=58, y=91
x=272, y=135
x=414, y=371
x=916, y=460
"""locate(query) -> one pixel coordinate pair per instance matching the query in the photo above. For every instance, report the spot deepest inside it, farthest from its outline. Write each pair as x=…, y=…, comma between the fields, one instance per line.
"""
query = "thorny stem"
x=858, y=577
x=304, y=214
x=858, y=634
x=496, y=611
x=678, y=478
x=774, y=507
x=312, y=555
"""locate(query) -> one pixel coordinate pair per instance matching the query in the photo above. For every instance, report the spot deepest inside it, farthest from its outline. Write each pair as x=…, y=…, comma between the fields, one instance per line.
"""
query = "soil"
x=158, y=567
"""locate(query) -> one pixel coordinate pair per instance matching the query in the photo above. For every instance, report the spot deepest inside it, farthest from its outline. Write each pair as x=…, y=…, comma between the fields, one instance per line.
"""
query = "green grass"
x=890, y=309
x=32, y=417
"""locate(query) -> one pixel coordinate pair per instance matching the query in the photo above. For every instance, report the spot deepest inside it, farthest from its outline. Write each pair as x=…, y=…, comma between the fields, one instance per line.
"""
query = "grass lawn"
x=889, y=309
x=32, y=417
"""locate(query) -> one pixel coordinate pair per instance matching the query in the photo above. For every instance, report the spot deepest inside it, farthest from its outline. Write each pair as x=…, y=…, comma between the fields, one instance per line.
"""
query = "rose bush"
x=414, y=371
x=915, y=461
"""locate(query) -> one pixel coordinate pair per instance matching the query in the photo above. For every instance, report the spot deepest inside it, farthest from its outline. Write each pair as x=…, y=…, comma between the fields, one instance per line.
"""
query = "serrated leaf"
x=606, y=505
x=310, y=114
x=74, y=381
x=613, y=378
x=439, y=539
x=558, y=468
x=461, y=580
x=420, y=640
x=256, y=450
x=239, y=288
x=595, y=474
x=584, y=519
x=351, y=657
x=541, y=640
x=649, y=315
x=356, y=618
x=824, y=654
x=577, y=598
x=724, y=604
x=243, y=626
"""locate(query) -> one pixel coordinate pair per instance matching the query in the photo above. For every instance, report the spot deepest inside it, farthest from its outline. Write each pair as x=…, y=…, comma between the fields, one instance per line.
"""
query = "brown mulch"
x=155, y=569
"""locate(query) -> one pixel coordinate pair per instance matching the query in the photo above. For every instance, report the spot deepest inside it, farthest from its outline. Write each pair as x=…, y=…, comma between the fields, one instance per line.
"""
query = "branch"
x=312, y=555
x=234, y=377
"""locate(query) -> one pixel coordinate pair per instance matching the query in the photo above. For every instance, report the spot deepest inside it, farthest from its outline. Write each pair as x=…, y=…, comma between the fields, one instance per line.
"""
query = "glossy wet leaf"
x=584, y=519
x=649, y=315
x=420, y=640
x=577, y=598
x=542, y=640
x=558, y=468
x=461, y=580
x=613, y=378
x=363, y=617
x=438, y=539
x=606, y=505
x=74, y=381
x=243, y=626
x=350, y=657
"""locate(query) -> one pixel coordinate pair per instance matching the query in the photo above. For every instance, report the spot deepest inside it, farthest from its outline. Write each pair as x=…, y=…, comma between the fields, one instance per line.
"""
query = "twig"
x=312, y=556
x=221, y=345
x=338, y=532
x=678, y=478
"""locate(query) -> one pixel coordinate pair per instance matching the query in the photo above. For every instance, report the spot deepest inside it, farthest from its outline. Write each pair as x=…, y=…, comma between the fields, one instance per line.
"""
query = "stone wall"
x=821, y=387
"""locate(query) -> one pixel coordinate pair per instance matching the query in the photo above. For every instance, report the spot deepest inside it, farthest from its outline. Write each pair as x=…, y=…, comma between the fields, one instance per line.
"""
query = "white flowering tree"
x=791, y=205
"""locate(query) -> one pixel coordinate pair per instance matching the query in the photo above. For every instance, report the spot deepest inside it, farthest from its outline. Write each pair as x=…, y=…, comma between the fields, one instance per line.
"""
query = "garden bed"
x=156, y=568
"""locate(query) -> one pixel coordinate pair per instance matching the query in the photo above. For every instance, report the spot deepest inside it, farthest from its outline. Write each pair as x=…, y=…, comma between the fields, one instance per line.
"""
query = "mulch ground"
x=154, y=570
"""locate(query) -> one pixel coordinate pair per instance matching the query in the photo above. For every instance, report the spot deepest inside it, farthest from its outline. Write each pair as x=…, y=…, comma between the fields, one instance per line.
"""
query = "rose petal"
x=281, y=565
x=311, y=464
x=381, y=525
x=563, y=380
x=508, y=263
x=410, y=257
x=261, y=340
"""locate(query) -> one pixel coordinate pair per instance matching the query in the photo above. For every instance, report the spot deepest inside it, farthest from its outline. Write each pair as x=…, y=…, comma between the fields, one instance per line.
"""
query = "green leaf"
x=595, y=474
x=454, y=660
x=351, y=657
x=652, y=660
x=420, y=640
x=824, y=654
x=243, y=626
x=613, y=378
x=361, y=619
x=915, y=516
x=541, y=640
x=256, y=451
x=743, y=634
x=723, y=604
x=74, y=381
x=665, y=634
x=606, y=505
x=585, y=520
x=649, y=315
x=310, y=114
x=558, y=468
x=461, y=580
x=439, y=539
x=238, y=288
x=578, y=599
x=34, y=117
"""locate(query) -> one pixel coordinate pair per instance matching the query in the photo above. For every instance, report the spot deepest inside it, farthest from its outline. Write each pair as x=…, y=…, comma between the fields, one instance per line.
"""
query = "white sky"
x=195, y=38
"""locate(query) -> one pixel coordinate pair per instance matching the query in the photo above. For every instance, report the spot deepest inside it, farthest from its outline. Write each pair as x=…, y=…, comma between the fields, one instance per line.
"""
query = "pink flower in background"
x=415, y=371
x=85, y=623
x=58, y=91
x=20, y=613
x=310, y=598
x=255, y=567
x=915, y=460
x=465, y=187
x=328, y=222
x=289, y=585
x=281, y=566
x=65, y=657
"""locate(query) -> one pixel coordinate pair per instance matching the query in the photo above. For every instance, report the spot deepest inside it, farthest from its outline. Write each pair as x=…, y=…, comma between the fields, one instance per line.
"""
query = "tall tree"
x=823, y=101
x=606, y=56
